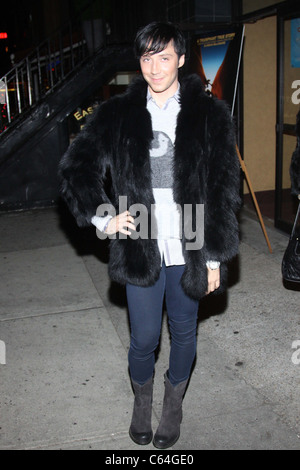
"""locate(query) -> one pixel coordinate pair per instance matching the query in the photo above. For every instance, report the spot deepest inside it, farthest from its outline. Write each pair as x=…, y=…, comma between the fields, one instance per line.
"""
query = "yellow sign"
x=80, y=115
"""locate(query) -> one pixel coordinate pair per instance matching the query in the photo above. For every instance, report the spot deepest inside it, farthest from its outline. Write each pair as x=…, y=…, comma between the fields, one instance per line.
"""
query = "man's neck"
x=161, y=98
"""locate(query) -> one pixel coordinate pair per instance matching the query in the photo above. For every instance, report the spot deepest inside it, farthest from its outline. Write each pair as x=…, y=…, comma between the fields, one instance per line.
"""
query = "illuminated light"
x=3, y=35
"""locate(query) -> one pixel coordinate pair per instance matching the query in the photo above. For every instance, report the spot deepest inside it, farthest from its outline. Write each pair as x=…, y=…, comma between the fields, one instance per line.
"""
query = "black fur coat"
x=295, y=163
x=114, y=147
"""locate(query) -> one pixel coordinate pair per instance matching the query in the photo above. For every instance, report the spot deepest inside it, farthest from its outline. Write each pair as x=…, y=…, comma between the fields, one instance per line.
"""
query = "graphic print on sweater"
x=161, y=153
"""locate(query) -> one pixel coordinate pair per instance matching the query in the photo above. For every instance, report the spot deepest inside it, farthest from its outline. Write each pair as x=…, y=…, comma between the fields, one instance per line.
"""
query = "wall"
x=53, y=14
x=253, y=5
x=260, y=103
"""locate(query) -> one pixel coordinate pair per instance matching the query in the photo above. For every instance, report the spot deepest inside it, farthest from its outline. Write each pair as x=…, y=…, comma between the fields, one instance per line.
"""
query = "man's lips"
x=156, y=80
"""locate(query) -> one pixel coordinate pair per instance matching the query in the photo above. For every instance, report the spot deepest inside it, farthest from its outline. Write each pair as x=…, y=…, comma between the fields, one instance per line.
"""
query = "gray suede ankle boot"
x=168, y=431
x=140, y=430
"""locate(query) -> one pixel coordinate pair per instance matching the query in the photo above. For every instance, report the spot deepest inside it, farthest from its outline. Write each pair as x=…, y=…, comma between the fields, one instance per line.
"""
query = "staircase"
x=38, y=96
x=62, y=78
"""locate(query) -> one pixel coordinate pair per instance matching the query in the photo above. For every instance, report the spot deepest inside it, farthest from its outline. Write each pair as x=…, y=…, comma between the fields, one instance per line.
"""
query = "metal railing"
x=60, y=55
x=39, y=73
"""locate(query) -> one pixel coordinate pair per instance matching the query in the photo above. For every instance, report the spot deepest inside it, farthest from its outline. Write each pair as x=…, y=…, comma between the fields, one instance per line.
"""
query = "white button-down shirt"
x=168, y=215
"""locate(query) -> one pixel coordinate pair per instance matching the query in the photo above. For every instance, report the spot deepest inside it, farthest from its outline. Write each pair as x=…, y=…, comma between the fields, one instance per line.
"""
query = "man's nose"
x=155, y=68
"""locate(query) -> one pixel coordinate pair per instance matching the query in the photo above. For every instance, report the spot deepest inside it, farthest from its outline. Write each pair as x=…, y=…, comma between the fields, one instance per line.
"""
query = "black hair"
x=155, y=37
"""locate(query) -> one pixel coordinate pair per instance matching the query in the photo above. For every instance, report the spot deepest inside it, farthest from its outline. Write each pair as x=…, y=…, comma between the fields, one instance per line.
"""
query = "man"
x=166, y=145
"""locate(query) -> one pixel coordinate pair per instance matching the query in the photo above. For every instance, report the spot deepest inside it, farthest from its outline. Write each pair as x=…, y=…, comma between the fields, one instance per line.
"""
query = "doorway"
x=288, y=105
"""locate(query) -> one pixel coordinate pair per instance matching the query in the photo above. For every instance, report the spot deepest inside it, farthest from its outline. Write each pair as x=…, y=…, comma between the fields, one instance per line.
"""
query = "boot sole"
x=143, y=442
x=160, y=446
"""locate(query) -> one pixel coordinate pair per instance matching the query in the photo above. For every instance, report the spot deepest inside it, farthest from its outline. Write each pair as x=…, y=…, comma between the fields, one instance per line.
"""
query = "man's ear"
x=181, y=61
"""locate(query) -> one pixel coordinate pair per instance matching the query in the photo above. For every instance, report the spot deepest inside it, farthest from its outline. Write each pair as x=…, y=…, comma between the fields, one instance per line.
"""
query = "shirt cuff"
x=101, y=222
x=213, y=264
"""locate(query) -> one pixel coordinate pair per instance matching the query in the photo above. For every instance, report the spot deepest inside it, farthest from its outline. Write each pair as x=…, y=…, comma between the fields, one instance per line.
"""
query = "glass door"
x=288, y=105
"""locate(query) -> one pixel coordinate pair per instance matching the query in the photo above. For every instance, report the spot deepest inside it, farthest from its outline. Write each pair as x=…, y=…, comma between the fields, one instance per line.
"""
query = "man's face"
x=161, y=70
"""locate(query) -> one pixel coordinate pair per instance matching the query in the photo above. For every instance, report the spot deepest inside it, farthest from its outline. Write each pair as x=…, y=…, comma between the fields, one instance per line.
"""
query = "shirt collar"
x=176, y=96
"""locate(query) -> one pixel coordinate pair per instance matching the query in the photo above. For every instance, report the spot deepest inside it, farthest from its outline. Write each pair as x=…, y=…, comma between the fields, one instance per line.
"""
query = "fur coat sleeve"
x=210, y=167
x=84, y=167
x=223, y=186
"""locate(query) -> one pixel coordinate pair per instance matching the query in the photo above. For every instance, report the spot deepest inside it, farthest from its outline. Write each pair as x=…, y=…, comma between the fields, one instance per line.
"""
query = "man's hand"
x=121, y=223
x=213, y=280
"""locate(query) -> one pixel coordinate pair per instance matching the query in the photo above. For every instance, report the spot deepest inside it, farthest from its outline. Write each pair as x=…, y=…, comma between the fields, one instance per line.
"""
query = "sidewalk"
x=65, y=384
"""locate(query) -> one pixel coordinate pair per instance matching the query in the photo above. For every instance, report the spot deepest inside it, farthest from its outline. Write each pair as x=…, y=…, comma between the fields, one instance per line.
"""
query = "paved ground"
x=65, y=383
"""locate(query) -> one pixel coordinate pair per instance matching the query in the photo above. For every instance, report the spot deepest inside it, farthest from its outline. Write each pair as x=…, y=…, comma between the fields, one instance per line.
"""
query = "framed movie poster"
x=295, y=42
x=216, y=57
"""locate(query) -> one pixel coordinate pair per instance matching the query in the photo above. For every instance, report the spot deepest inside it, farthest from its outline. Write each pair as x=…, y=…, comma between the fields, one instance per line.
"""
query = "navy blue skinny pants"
x=145, y=305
